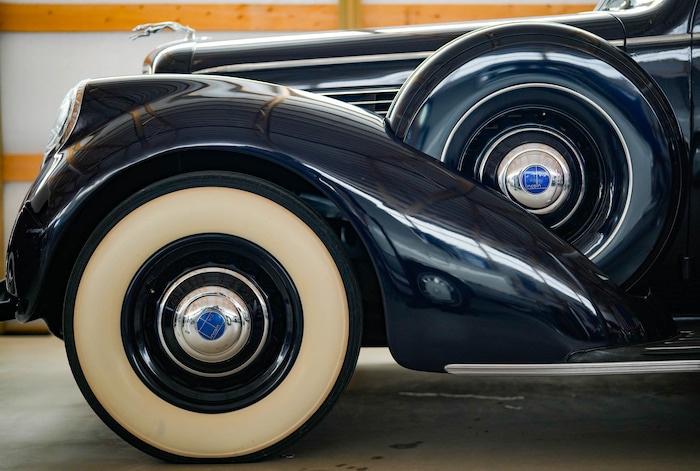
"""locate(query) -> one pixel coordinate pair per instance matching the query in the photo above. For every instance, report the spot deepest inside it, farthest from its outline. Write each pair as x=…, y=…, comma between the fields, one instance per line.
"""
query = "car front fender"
x=465, y=275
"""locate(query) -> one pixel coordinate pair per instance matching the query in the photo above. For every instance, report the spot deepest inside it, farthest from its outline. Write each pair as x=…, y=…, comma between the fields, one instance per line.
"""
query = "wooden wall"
x=268, y=16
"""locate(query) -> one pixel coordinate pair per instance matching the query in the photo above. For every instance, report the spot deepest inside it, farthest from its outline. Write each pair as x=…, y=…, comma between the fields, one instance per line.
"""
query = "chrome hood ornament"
x=151, y=28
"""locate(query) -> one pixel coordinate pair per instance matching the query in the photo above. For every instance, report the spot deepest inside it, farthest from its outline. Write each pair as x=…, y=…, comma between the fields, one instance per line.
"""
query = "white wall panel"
x=37, y=69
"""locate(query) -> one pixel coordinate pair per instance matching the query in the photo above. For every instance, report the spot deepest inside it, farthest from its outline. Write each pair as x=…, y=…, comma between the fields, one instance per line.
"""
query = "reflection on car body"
x=216, y=239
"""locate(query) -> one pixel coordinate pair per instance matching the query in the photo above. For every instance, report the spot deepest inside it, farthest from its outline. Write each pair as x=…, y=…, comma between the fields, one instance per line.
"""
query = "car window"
x=617, y=5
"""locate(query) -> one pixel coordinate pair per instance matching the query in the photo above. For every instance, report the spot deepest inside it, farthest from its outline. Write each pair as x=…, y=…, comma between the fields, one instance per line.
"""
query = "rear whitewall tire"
x=302, y=245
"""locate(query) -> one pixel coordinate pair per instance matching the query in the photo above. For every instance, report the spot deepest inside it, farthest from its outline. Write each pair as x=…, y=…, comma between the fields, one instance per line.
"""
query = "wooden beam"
x=20, y=167
x=377, y=15
x=37, y=17
x=350, y=14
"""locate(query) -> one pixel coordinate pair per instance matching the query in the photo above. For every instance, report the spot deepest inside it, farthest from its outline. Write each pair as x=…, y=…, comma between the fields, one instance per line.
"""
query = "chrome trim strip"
x=665, y=40
x=577, y=369
x=299, y=63
x=367, y=102
x=670, y=348
x=359, y=91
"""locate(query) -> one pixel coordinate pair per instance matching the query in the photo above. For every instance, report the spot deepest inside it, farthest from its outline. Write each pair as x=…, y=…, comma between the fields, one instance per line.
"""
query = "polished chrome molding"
x=681, y=355
x=359, y=91
x=232, y=325
x=314, y=62
x=577, y=369
x=668, y=40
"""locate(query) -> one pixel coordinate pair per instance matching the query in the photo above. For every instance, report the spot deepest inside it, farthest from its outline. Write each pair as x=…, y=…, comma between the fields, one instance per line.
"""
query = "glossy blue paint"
x=211, y=325
x=636, y=152
x=521, y=294
x=133, y=131
x=535, y=179
x=657, y=38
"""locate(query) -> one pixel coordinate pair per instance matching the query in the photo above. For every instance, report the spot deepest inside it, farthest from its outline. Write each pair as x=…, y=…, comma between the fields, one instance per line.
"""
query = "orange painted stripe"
x=15, y=17
x=20, y=167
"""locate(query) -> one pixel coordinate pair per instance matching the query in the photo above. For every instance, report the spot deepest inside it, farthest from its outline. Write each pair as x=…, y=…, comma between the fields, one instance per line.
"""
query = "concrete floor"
x=390, y=418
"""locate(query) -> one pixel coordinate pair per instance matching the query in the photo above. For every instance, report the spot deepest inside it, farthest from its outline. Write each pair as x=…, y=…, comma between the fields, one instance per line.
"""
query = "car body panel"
x=451, y=266
x=445, y=274
x=658, y=37
x=327, y=63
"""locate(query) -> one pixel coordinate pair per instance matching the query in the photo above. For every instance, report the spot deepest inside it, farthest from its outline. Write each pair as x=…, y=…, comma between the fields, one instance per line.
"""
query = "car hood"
x=237, y=57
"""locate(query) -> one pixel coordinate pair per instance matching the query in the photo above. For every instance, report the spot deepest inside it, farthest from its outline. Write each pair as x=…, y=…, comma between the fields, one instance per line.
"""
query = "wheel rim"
x=212, y=323
x=529, y=146
x=224, y=332
x=536, y=175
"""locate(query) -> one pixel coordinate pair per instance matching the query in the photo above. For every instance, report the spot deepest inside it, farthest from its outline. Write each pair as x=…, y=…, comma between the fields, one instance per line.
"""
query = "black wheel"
x=562, y=124
x=212, y=317
x=556, y=153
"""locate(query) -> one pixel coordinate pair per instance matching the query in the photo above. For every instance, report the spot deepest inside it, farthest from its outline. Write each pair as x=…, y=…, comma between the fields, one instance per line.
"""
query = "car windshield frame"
x=626, y=5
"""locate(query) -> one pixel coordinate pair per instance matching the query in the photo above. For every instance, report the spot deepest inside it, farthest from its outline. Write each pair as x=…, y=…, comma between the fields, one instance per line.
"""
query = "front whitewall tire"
x=321, y=361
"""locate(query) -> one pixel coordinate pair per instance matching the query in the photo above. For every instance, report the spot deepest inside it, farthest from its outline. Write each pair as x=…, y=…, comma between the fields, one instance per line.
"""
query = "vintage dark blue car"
x=215, y=239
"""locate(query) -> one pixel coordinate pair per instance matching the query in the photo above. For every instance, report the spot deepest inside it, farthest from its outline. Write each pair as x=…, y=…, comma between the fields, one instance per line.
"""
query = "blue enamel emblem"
x=535, y=179
x=211, y=325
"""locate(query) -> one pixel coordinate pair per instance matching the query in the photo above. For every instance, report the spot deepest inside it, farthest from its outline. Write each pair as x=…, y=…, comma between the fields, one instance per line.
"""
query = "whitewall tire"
x=212, y=317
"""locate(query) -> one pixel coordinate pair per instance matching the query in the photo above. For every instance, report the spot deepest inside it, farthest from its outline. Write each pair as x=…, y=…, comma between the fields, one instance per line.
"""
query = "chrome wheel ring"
x=537, y=168
x=536, y=176
x=212, y=323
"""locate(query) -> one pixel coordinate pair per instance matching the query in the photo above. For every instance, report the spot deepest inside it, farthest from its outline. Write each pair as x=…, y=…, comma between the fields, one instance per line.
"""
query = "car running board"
x=678, y=355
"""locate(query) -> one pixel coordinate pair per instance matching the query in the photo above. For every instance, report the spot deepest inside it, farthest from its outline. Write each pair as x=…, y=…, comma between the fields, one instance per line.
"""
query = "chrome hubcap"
x=536, y=176
x=212, y=323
